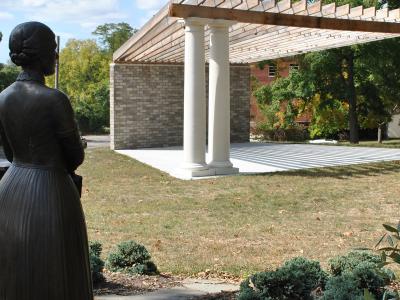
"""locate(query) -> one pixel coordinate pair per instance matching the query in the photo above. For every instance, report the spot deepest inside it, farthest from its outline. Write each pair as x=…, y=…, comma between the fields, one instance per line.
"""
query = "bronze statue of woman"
x=43, y=239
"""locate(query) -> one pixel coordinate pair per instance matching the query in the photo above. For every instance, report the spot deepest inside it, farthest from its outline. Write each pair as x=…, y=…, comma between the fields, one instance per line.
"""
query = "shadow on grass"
x=386, y=144
x=343, y=172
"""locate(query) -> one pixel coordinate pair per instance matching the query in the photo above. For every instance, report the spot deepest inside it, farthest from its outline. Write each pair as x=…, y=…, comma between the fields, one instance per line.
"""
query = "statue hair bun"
x=20, y=59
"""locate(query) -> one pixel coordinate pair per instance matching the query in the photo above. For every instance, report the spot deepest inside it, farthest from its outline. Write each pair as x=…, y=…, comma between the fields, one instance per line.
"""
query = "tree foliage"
x=345, y=88
x=357, y=85
x=8, y=74
x=113, y=35
x=84, y=72
x=278, y=103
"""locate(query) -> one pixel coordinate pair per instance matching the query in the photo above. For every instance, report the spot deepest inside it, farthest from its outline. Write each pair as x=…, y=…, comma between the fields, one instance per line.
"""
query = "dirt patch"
x=122, y=284
x=219, y=296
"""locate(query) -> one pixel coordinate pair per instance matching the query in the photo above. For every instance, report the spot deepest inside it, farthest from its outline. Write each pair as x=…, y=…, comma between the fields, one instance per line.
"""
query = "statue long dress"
x=43, y=239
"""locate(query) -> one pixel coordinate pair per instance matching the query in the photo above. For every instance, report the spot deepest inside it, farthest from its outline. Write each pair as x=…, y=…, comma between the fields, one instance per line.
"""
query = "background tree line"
x=84, y=74
x=344, y=89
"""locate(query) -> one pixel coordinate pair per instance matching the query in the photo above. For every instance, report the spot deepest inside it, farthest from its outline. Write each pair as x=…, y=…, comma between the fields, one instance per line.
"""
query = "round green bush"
x=343, y=287
x=364, y=268
x=340, y=264
x=296, y=279
x=371, y=278
x=131, y=257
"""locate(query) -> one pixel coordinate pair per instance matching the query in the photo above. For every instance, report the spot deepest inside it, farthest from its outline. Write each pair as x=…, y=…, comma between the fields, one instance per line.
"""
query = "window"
x=293, y=67
x=271, y=70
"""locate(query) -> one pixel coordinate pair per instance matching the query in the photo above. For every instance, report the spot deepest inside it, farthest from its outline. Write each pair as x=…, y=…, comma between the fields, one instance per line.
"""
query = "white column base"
x=189, y=174
x=225, y=170
x=220, y=164
x=194, y=166
x=223, y=167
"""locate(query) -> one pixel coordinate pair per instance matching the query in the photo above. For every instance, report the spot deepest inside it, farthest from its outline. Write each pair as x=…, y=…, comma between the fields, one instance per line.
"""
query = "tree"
x=84, y=74
x=112, y=35
x=331, y=74
x=380, y=80
x=8, y=74
x=84, y=71
x=372, y=77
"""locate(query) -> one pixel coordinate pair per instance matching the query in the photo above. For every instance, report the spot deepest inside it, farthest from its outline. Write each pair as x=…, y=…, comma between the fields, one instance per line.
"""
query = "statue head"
x=32, y=46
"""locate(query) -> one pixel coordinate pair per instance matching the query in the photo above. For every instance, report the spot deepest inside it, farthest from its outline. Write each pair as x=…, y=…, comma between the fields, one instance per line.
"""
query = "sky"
x=73, y=18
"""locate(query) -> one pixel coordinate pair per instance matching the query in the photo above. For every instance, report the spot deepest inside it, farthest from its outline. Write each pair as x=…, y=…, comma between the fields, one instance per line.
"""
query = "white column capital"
x=216, y=24
x=193, y=22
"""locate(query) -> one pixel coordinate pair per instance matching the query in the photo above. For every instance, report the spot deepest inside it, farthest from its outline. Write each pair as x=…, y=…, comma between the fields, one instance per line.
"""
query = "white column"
x=194, y=131
x=219, y=99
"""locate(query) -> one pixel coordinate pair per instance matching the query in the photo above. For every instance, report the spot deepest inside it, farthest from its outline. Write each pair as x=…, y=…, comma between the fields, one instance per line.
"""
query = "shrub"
x=132, y=258
x=343, y=287
x=365, y=268
x=369, y=277
x=96, y=263
x=296, y=279
x=290, y=134
x=340, y=264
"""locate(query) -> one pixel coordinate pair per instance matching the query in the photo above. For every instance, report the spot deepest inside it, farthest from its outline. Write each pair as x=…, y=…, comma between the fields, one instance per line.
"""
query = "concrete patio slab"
x=255, y=158
x=97, y=141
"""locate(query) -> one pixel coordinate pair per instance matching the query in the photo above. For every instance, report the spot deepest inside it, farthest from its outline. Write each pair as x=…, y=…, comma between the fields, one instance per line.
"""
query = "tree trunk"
x=352, y=98
x=380, y=136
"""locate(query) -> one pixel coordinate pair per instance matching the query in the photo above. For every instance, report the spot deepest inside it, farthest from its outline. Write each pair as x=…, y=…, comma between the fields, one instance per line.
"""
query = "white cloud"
x=87, y=13
x=34, y=3
x=149, y=4
x=5, y=16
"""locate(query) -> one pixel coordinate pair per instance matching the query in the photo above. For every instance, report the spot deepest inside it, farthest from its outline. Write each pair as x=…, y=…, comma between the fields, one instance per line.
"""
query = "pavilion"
x=214, y=36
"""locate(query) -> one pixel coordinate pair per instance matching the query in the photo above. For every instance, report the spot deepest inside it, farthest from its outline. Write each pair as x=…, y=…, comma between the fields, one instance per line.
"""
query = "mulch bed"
x=219, y=296
x=115, y=283
x=121, y=284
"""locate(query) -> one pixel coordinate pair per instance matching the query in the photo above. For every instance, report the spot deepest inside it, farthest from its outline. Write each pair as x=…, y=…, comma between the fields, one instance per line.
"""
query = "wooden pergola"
x=264, y=29
x=221, y=32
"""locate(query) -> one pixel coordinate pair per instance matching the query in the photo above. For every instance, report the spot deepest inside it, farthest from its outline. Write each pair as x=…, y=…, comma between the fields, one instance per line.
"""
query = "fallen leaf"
x=348, y=233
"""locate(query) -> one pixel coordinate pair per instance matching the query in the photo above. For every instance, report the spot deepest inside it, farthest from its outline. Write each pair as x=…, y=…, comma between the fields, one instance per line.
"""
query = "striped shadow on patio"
x=254, y=158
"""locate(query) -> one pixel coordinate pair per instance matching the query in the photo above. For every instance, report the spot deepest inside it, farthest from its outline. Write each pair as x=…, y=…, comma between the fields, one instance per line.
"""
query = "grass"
x=393, y=143
x=238, y=224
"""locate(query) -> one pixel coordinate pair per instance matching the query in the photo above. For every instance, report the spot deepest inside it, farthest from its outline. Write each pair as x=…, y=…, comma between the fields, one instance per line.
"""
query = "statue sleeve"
x=68, y=134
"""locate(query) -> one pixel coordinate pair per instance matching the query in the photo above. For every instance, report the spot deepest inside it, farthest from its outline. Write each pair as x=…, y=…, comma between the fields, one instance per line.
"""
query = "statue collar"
x=31, y=76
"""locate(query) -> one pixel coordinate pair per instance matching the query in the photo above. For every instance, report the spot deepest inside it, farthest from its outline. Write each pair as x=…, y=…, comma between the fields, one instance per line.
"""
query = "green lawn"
x=237, y=224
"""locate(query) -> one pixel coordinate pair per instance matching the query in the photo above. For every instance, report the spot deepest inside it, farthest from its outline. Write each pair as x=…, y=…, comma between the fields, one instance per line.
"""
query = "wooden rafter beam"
x=269, y=18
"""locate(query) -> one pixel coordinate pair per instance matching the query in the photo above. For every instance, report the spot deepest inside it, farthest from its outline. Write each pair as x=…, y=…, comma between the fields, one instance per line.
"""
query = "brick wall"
x=146, y=105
